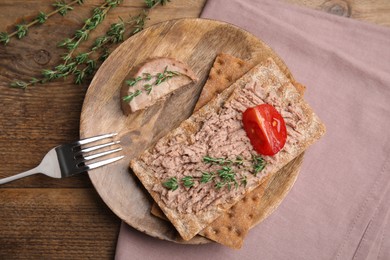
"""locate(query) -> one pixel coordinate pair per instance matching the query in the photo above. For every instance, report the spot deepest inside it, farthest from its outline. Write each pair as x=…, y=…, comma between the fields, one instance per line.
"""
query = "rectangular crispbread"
x=271, y=80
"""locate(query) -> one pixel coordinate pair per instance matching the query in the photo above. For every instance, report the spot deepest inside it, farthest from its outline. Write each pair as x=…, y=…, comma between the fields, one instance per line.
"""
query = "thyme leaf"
x=244, y=181
x=188, y=181
x=21, y=30
x=171, y=184
x=228, y=177
x=19, y=84
x=133, y=81
x=62, y=7
x=151, y=3
x=258, y=164
x=132, y=95
x=4, y=38
x=207, y=177
x=41, y=18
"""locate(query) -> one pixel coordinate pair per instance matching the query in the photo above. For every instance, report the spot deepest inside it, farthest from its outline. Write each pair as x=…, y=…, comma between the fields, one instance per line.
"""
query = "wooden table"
x=46, y=218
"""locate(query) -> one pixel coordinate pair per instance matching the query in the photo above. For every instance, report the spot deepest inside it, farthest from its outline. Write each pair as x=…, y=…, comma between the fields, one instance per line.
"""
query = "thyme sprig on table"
x=223, y=177
x=98, y=16
x=159, y=78
x=21, y=30
x=151, y=3
x=83, y=65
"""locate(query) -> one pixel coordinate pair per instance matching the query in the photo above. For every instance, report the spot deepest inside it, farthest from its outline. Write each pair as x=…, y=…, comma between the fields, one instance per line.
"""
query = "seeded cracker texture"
x=280, y=92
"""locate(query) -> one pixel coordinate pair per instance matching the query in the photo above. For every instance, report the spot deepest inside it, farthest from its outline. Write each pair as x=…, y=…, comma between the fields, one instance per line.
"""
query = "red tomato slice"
x=265, y=128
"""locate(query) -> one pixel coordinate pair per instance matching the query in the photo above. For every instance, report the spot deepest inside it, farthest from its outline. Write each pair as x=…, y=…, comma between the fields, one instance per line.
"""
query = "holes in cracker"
x=221, y=62
x=229, y=78
x=219, y=72
x=215, y=231
x=238, y=232
x=240, y=64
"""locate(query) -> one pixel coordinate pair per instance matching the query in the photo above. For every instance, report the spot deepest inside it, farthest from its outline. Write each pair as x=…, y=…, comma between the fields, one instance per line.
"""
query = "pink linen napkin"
x=339, y=206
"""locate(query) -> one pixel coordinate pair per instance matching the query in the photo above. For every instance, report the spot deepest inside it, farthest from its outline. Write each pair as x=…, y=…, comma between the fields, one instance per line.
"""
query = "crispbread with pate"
x=231, y=227
x=264, y=83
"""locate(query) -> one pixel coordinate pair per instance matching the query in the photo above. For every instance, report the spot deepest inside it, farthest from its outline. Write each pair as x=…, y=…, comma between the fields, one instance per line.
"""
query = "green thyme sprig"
x=114, y=35
x=71, y=61
x=98, y=16
x=258, y=164
x=228, y=178
x=132, y=95
x=223, y=177
x=188, y=181
x=223, y=161
x=207, y=177
x=159, y=78
x=151, y=3
x=21, y=30
x=243, y=181
x=62, y=7
x=83, y=65
x=171, y=184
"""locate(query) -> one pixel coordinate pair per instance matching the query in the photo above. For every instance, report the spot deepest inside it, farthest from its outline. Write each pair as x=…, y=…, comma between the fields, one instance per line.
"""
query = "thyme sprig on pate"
x=158, y=78
x=223, y=161
x=223, y=177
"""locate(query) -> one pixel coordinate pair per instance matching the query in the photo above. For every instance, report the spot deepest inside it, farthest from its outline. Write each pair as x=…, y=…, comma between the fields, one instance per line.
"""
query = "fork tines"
x=86, y=155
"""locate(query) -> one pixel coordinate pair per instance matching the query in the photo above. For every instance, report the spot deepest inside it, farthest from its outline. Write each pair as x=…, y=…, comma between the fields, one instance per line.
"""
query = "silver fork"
x=70, y=159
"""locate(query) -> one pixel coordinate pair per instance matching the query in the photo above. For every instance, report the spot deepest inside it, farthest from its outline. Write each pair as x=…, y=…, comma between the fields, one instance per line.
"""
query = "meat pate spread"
x=148, y=91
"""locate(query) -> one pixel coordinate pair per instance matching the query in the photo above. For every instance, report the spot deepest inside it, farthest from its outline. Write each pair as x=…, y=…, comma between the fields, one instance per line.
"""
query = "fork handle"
x=19, y=175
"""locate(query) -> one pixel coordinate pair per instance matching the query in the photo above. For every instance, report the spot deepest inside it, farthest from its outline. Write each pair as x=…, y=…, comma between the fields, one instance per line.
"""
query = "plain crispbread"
x=188, y=225
x=225, y=71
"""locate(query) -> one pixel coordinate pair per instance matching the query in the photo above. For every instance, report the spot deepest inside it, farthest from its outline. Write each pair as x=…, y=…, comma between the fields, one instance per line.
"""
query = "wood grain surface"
x=33, y=210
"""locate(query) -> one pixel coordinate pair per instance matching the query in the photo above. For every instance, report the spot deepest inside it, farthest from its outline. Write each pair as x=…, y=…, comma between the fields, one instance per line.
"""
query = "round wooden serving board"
x=195, y=42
